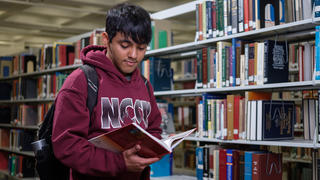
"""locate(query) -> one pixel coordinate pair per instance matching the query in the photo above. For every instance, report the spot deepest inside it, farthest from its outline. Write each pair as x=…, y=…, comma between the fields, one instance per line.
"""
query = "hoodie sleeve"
x=155, y=116
x=70, y=133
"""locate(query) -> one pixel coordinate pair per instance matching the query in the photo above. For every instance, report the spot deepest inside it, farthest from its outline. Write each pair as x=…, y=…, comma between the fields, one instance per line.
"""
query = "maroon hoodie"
x=119, y=102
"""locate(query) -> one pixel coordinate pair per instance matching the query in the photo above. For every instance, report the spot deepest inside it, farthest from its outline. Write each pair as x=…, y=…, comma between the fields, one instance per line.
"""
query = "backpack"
x=47, y=165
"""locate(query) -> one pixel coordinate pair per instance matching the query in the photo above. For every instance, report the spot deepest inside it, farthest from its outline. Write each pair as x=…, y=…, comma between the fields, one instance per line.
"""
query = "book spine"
x=199, y=163
x=229, y=164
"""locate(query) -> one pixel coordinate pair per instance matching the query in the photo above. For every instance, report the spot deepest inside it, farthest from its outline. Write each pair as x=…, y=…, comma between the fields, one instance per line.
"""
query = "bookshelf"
x=289, y=31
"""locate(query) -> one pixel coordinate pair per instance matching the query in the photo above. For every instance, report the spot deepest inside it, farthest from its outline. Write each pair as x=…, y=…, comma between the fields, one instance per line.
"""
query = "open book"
x=132, y=134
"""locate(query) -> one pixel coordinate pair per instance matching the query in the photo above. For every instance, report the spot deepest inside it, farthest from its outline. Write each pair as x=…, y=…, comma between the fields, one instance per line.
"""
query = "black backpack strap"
x=93, y=85
x=146, y=82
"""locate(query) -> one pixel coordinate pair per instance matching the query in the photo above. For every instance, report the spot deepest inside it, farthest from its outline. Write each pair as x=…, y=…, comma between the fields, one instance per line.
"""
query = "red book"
x=222, y=164
x=204, y=66
x=4, y=158
x=236, y=116
x=62, y=56
x=129, y=135
x=266, y=166
x=246, y=14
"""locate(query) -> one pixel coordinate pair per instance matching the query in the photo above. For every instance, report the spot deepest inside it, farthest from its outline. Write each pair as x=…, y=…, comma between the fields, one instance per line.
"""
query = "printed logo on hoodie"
x=114, y=113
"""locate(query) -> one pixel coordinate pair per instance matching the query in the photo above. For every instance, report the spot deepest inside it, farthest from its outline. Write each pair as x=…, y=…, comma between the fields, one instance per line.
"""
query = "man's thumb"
x=134, y=149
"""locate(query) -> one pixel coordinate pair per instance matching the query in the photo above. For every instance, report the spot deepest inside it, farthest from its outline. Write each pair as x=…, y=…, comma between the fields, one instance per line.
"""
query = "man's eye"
x=124, y=46
x=141, y=48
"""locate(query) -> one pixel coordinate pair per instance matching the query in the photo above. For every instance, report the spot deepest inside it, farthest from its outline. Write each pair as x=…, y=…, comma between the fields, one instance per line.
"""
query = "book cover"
x=160, y=74
x=276, y=64
x=5, y=91
x=266, y=166
x=162, y=167
x=278, y=119
x=132, y=134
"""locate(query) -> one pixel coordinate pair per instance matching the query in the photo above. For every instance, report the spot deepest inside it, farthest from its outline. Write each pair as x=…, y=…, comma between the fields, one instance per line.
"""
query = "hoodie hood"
x=96, y=56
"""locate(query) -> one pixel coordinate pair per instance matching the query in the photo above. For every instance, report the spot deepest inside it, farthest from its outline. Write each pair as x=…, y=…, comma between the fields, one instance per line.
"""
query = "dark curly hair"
x=131, y=20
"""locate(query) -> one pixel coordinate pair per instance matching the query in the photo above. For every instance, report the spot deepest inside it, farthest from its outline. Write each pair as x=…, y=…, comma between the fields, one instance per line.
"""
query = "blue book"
x=248, y=165
x=199, y=163
x=278, y=119
x=317, y=9
x=209, y=19
x=229, y=164
x=160, y=73
x=162, y=167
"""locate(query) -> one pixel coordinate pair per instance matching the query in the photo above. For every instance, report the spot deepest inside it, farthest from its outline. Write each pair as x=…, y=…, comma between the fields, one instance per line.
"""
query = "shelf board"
x=27, y=101
x=284, y=143
x=3, y=125
x=37, y=73
x=276, y=86
x=306, y=161
x=25, y=153
x=6, y=173
x=52, y=70
x=287, y=28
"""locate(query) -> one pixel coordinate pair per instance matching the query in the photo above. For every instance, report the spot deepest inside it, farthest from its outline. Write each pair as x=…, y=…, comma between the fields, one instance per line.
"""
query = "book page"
x=173, y=141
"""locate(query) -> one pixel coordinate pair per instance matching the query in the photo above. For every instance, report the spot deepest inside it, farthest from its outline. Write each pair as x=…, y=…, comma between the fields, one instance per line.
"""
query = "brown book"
x=266, y=166
x=230, y=116
x=4, y=138
x=241, y=165
x=251, y=63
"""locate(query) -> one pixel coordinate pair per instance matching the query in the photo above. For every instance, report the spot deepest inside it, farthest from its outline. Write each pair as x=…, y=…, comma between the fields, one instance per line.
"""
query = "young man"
x=123, y=98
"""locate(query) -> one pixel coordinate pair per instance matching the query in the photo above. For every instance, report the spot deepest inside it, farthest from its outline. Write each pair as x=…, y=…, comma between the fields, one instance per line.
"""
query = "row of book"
x=240, y=63
x=39, y=87
x=216, y=18
x=17, y=139
x=184, y=69
x=255, y=117
x=17, y=165
x=23, y=114
x=214, y=162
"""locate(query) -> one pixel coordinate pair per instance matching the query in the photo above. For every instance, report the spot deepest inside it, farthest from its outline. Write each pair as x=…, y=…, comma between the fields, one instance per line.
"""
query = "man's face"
x=124, y=53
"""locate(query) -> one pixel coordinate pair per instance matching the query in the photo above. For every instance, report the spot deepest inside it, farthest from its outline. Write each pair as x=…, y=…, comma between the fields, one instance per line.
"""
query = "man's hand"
x=134, y=162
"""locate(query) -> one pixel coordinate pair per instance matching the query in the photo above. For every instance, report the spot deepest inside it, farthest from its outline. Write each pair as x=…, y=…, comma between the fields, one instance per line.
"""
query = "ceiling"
x=32, y=23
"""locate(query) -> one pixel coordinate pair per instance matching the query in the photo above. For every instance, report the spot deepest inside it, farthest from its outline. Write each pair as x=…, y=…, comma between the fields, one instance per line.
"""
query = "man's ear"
x=105, y=38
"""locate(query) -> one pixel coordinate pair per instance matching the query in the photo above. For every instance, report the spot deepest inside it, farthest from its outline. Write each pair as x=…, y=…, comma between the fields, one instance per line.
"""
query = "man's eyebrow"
x=125, y=41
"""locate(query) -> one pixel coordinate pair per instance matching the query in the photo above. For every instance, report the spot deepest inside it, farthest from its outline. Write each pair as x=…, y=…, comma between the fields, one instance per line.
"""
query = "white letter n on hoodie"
x=113, y=113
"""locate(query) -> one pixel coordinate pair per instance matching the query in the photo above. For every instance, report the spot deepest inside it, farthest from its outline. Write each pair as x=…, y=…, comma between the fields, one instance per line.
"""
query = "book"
x=132, y=134
x=276, y=65
x=160, y=74
x=266, y=166
x=278, y=119
x=162, y=167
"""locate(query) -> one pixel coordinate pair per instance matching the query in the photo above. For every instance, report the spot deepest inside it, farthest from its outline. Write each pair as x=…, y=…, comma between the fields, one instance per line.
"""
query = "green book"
x=163, y=39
